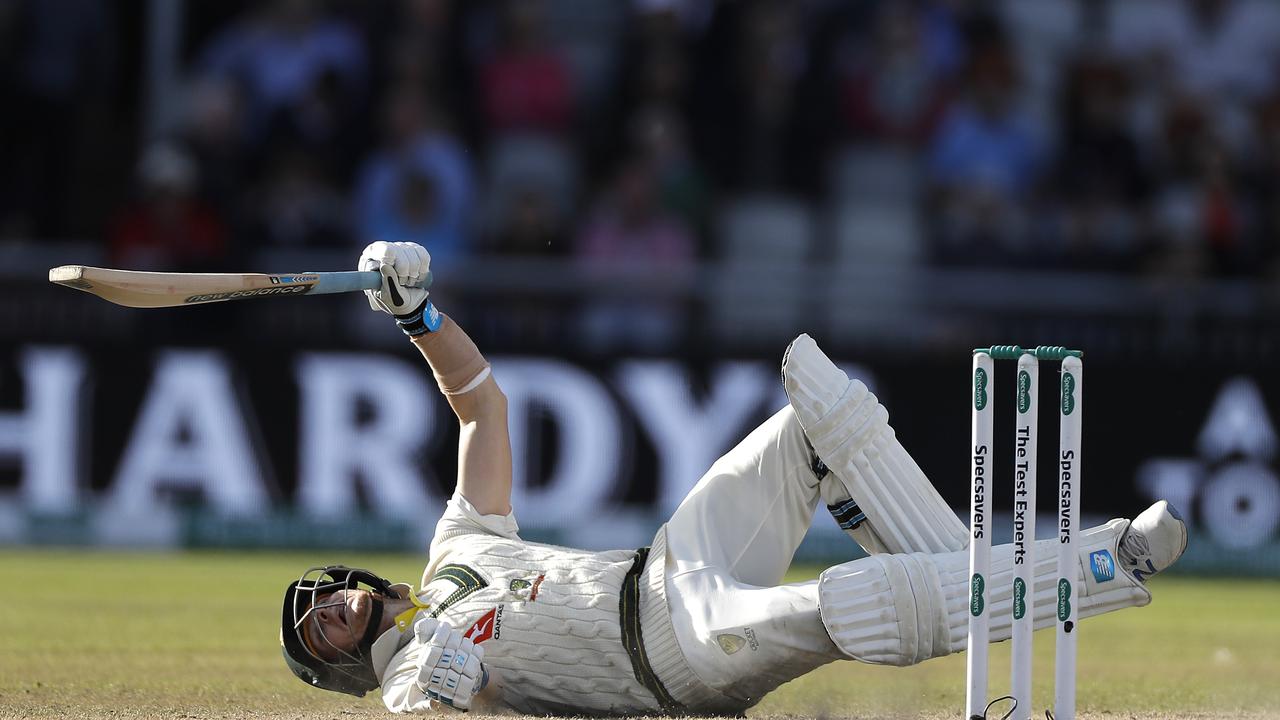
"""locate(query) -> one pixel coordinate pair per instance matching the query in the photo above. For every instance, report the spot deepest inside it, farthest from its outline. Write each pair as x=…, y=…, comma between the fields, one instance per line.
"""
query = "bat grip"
x=354, y=281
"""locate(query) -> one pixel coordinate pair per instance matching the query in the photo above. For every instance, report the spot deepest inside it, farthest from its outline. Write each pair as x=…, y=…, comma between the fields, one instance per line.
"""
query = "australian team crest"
x=526, y=589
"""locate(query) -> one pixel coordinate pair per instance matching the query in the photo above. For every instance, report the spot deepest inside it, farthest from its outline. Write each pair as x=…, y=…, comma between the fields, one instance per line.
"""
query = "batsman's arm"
x=484, y=446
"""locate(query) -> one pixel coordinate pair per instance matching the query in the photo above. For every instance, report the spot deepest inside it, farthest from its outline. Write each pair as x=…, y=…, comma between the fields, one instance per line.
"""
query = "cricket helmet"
x=350, y=672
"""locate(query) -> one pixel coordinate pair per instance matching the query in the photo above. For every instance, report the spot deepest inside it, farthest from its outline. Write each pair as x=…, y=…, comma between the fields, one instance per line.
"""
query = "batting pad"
x=886, y=609
x=903, y=609
x=849, y=430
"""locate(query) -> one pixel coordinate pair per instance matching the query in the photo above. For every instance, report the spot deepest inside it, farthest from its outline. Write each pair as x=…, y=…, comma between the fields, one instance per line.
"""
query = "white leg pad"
x=903, y=609
x=886, y=609
x=1095, y=596
x=849, y=430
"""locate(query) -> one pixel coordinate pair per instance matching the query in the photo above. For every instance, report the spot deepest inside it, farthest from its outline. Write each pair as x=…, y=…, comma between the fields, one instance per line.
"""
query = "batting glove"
x=406, y=270
x=452, y=672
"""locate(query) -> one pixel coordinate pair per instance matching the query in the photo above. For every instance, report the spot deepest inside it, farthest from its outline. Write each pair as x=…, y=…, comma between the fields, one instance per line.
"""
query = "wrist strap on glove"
x=423, y=320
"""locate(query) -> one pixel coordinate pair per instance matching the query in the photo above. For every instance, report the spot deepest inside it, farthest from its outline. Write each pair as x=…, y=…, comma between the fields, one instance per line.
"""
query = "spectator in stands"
x=57, y=62
x=629, y=231
x=525, y=83
x=169, y=228
x=654, y=72
x=1100, y=180
x=659, y=134
x=986, y=163
x=423, y=47
x=419, y=43
x=1213, y=49
x=418, y=187
x=899, y=90
x=213, y=130
x=1263, y=175
x=629, y=226
x=585, y=36
x=661, y=76
x=1200, y=215
x=295, y=206
x=1167, y=147
x=1222, y=54
x=754, y=110
x=529, y=225
x=301, y=72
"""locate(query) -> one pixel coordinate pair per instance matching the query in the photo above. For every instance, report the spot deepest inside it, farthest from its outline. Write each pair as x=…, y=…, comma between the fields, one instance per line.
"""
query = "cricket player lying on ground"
x=699, y=622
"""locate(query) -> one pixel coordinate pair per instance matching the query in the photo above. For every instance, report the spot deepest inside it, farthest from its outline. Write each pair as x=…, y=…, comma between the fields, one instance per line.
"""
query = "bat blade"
x=155, y=290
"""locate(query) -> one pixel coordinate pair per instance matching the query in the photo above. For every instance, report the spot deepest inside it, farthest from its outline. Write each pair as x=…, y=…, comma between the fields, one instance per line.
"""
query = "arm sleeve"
x=461, y=518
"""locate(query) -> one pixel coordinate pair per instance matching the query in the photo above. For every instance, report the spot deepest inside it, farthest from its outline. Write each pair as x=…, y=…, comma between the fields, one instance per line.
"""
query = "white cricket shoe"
x=1153, y=542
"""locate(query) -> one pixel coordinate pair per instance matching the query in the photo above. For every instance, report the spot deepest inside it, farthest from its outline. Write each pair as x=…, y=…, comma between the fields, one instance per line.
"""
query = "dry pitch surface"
x=95, y=634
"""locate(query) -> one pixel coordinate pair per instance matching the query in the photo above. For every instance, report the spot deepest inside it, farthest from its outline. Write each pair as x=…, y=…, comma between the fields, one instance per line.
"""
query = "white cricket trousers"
x=728, y=546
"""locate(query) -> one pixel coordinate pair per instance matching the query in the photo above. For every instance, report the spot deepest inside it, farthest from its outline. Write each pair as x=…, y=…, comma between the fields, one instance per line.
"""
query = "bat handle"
x=353, y=281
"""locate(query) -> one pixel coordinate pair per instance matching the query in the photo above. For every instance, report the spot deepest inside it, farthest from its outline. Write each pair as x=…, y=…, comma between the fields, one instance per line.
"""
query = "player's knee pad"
x=885, y=609
x=894, y=507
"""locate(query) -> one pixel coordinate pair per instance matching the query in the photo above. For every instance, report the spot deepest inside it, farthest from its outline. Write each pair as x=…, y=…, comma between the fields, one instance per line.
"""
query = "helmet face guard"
x=348, y=672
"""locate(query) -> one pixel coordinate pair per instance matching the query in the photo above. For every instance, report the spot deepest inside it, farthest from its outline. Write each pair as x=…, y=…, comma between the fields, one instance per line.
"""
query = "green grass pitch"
x=193, y=635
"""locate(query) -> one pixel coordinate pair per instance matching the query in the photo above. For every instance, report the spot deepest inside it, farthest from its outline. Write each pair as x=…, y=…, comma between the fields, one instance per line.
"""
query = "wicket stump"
x=1024, y=526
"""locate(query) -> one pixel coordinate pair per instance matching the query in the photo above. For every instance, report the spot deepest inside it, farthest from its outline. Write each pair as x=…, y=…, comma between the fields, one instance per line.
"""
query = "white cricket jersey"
x=564, y=631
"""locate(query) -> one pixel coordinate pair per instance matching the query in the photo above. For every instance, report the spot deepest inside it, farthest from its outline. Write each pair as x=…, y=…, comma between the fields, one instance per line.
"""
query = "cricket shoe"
x=1154, y=541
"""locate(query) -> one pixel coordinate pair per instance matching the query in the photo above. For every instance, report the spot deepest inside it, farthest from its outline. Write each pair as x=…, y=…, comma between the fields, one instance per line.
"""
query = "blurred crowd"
x=1137, y=135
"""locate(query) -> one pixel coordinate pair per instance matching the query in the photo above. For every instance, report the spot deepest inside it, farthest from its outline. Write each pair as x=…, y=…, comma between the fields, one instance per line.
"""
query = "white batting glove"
x=406, y=270
x=452, y=672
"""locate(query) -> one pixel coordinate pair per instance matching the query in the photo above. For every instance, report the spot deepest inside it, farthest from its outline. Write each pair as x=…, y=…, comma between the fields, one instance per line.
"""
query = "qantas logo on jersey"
x=489, y=626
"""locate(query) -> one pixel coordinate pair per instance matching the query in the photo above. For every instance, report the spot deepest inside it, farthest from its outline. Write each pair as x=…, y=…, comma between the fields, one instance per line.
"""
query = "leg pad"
x=849, y=430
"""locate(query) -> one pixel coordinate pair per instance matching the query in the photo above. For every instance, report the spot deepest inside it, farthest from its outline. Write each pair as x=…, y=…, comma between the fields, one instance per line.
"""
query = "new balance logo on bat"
x=282, y=290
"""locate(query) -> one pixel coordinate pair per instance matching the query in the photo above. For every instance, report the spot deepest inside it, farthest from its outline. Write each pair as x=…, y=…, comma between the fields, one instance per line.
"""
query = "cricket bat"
x=153, y=290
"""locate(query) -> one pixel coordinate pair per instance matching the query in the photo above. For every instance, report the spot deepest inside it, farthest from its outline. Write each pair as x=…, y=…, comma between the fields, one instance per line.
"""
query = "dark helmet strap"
x=371, y=630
